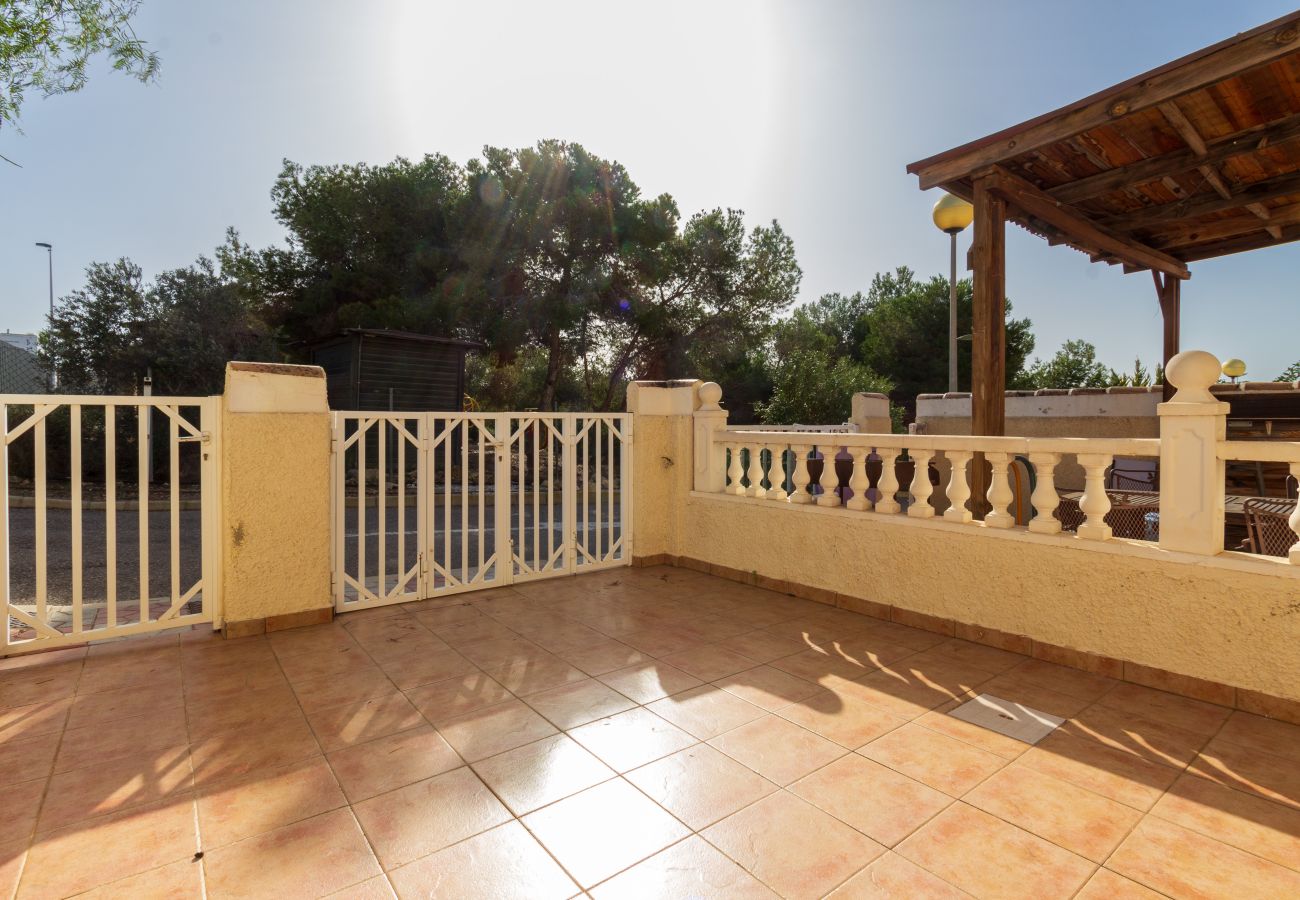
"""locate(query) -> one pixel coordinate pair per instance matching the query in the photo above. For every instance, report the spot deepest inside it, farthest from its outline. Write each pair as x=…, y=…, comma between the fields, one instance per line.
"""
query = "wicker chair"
x=1131, y=479
x=1268, y=531
x=1129, y=517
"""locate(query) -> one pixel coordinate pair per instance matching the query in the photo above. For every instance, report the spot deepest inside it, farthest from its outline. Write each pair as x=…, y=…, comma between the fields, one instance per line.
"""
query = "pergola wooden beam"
x=1169, y=294
x=1181, y=234
x=1234, y=245
x=1259, y=192
x=1251, y=49
x=1022, y=195
x=1153, y=168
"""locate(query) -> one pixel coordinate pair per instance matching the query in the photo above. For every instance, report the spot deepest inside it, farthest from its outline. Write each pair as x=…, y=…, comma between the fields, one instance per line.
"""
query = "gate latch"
x=202, y=437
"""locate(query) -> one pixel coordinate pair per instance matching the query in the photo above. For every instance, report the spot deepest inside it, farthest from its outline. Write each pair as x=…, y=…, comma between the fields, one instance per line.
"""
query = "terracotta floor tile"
x=33, y=757
x=1100, y=769
x=359, y=721
x=872, y=798
x=259, y=802
x=778, y=749
x=991, y=659
x=318, y=693
x=768, y=688
x=1147, y=739
x=1062, y=679
x=506, y=862
x=791, y=846
x=80, y=857
x=816, y=665
x=542, y=772
x=469, y=631
x=648, y=682
x=178, y=879
x=97, y=790
x=710, y=662
x=422, y=818
x=1106, y=885
x=264, y=708
x=848, y=721
x=112, y=673
x=699, y=785
x=393, y=761
x=706, y=711
x=1082, y=822
x=532, y=674
x=416, y=669
x=1252, y=771
x=234, y=682
x=689, y=869
x=33, y=720
x=909, y=694
x=891, y=877
x=606, y=655
x=112, y=741
x=92, y=709
x=1035, y=696
x=631, y=739
x=315, y=640
x=1161, y=706
x=494, y=729
x=435, y=618
x=376, y=888
x=22, y=803
x=232, y=753
x=763, y=646
x=499, y=651
x=1247, y=822
x=306, y=859
x=659, y=641
x=943, y=763
x=443, y=700
x=990, y=858
x=578, y=703
x=1182, y=863
x=603, y=830
x=968, y=733
x=343, y=662
x=1266, y=735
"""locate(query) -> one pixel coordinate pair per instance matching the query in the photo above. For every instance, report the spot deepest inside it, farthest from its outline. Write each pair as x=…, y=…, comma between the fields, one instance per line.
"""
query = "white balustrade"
x=1045, y=499
x=800, y=493
x=776, y=474
x=830, y=480
x=754, y=472
x=958, y=487
x=735, y=474
x=1095, y=502
x=887, y=502
x=860, y=481
x=921, y=487
x=999, y=495
x=1294, y=521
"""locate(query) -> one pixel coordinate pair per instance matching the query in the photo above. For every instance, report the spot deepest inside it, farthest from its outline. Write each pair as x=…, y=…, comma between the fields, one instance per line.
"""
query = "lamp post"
x=49, y=254
x=952, y=215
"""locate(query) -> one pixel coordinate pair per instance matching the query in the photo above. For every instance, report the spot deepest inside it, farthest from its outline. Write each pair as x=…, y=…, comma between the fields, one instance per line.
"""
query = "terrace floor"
x=629, y=733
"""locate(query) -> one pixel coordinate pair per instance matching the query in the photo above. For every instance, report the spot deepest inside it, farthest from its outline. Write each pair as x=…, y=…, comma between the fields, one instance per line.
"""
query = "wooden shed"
x=375, y=369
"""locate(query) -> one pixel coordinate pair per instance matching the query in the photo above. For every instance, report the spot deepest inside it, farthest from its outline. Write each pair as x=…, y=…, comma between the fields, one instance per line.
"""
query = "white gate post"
x=1192, y=424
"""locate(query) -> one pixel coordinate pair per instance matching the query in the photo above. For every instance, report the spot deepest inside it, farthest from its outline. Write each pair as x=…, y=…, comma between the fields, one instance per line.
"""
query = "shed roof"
x=1195, y=159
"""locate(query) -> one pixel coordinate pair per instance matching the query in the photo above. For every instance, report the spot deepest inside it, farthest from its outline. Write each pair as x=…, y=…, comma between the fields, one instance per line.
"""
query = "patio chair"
x=1131, y=516
x=1268, y=531
x=1124, y=479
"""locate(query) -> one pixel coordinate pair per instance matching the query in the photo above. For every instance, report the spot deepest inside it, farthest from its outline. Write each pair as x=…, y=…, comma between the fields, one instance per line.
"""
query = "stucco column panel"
x=663, y=419
x=275, y=530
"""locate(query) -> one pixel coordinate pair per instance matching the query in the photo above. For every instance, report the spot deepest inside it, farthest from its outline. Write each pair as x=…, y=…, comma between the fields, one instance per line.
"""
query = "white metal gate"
x=81, y=556
x=427, y=504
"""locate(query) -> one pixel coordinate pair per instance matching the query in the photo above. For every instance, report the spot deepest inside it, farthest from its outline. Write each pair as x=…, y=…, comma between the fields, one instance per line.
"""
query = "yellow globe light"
x=1234, y=368
x=952, y=214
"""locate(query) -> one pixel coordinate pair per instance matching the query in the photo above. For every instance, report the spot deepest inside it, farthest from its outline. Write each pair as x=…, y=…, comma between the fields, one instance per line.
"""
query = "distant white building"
x=22, y=341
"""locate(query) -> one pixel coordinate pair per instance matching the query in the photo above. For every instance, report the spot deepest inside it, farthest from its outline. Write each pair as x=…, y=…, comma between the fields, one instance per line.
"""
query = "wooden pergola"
x=1196, y=159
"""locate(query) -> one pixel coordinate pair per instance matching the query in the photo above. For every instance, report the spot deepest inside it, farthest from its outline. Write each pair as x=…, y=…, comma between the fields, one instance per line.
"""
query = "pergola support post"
x=988, y=333
x=1169, y=293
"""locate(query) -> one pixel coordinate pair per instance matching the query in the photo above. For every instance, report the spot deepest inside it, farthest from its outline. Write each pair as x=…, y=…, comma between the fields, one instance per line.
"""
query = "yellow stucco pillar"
x=275, y=530
x=662, y=468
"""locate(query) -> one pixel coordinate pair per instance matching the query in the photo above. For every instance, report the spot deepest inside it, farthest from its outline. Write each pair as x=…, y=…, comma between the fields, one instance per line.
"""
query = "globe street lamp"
x=952, y=215
x=1234, y=369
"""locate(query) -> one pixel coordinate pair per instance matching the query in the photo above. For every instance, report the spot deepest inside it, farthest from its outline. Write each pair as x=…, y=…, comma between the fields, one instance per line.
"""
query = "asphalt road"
x=464, y=539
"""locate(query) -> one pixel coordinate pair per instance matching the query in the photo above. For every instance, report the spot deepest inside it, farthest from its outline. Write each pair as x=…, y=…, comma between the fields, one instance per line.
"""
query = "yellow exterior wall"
x=275, y=491
x=1227, y=619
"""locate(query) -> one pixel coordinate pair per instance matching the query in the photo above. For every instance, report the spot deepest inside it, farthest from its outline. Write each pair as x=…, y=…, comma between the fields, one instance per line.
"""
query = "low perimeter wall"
x=1223, y=628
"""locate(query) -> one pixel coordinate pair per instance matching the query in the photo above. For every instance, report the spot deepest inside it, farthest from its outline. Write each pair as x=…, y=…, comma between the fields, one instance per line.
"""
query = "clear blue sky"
x=806, y=112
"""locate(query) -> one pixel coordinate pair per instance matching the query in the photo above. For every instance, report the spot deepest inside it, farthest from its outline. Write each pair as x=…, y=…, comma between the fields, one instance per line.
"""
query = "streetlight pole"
x=49, y=255
x=952, y=215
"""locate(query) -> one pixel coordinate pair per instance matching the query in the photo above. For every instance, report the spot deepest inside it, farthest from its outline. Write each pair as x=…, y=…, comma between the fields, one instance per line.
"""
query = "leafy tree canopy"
x=45, y=46
x=1292, y=373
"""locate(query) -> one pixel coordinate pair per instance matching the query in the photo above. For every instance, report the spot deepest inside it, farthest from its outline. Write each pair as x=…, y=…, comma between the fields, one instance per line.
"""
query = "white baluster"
x=999, y=495
x=1294, y=521
x=734, y=471
x=888, y=484
x=958, y=487
x=830, y=480
x=860, y=481
x=1045, y=499
x=754, y=472
x=800, y=493
x=1095, y=502
x=776, y=474
x=921, y=487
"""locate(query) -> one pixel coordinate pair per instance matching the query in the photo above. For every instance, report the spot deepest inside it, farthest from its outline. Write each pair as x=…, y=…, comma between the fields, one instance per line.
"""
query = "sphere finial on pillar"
x=710, y=394
x=1192, y=372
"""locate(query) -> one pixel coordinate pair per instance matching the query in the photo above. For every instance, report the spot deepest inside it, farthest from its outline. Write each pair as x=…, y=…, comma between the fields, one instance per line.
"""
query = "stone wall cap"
x=1051, y=392
x=929, y=396
x=1268, y=386
x=266, y=368
x=956, y=395
x=1086, y=392
x=877, y=396
x=1020, y=393
x=667, y=383
x=1128, y=389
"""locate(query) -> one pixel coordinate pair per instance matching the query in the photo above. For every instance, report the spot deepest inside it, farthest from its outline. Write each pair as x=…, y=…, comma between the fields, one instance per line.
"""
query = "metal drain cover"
x=1015, y=720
